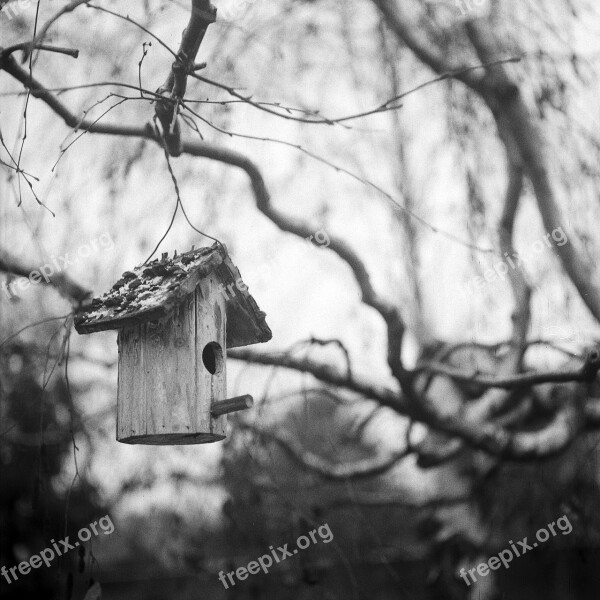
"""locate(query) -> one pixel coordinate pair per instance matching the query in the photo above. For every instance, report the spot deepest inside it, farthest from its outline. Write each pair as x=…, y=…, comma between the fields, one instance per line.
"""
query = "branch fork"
x=173, y=90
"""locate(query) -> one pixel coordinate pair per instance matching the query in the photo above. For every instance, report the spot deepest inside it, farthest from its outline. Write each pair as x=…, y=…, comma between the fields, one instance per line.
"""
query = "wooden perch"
x=225, y=407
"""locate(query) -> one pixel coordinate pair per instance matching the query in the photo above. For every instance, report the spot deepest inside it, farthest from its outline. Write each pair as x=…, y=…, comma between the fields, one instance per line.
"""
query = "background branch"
x=502, y=94
x=61, y=281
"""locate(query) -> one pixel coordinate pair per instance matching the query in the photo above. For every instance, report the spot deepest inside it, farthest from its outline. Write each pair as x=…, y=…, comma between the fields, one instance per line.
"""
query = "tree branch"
x=521, y=290
x=325, y=373
x=486, y=436
x=409, y=33
x=494, y=400
x=173, y=90
x=503, y=96
x=586, y=374
x=39, y=39
x=61, y=281
x=565, y=426
x=26, y=46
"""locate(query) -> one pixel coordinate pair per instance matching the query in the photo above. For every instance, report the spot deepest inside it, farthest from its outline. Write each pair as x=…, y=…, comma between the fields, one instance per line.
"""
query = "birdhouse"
x=176, y=319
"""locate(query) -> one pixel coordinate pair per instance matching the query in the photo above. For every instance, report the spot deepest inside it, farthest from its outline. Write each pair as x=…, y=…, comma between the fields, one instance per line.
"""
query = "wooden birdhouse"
x=176, y=319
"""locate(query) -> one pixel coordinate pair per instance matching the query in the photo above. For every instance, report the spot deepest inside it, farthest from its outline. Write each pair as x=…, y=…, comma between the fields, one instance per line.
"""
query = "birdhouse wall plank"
x=131, y=403
x=211, y=323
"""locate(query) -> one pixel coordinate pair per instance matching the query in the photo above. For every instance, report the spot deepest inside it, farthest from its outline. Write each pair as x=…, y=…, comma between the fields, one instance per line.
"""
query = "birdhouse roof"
x=151, y=291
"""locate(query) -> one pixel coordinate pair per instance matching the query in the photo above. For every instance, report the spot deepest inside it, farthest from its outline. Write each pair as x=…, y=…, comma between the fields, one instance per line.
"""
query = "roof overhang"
x=152, y=291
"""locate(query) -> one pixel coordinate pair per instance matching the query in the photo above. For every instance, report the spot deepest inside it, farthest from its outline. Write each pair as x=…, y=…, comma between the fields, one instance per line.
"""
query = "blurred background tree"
x=422, y=416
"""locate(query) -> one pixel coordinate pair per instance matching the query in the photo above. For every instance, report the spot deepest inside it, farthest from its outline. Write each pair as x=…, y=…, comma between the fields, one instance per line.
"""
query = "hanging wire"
x=179, y=202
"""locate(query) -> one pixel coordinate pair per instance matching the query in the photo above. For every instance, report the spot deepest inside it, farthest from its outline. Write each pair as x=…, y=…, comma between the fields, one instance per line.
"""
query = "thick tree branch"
x=495, y=400
x=173, y=90
x=521, y=290
x=486, y=436
x=564, y=428
x=327, y=374
x=503, y=96
x=409, y=33
x=587, y=373
x=592, y=413
x=360, y=498
x=61, y=281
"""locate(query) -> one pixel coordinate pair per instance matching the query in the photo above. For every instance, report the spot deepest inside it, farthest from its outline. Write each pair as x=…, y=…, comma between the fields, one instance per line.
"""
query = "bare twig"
x=39, y=38
x=26, y=46
x=31, y=325
x=318, y=119
x=362, y=180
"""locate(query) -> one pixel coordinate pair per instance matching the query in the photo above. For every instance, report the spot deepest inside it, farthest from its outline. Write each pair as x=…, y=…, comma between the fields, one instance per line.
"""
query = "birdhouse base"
x=172, y=439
